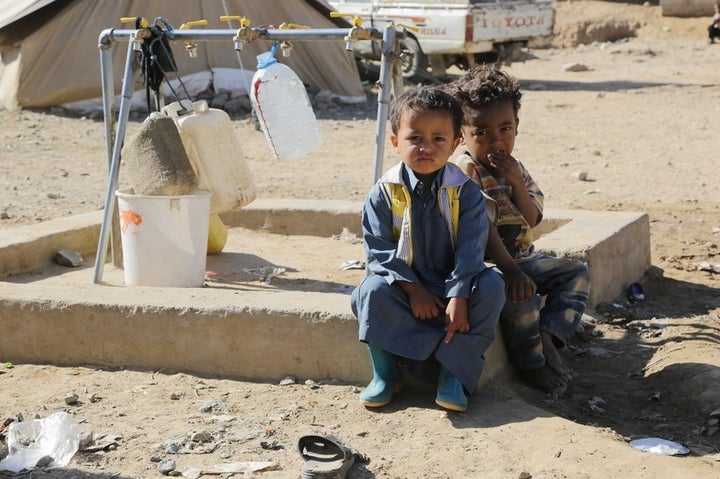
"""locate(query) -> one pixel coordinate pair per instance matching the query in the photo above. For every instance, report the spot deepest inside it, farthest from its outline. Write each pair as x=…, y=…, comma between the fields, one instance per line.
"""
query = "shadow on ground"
x=654, y=371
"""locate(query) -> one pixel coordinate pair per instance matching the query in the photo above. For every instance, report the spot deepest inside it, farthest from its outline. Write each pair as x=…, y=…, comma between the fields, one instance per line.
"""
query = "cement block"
x=615, y=246
x=61, y=317
x=31, y=248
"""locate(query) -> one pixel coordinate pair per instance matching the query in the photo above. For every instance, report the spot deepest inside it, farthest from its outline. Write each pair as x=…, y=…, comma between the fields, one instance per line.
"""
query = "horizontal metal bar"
x=111, y=35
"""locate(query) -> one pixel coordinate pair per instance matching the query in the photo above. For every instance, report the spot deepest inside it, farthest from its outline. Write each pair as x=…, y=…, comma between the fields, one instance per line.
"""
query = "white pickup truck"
x=453, y=32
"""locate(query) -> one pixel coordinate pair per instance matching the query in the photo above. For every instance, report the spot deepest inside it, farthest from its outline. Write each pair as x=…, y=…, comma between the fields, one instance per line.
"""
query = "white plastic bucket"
x=164, y=238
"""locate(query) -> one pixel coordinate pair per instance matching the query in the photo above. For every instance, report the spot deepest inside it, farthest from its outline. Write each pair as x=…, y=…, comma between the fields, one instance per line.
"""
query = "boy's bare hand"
x=456, y=320
x=506, y=165
x=519, y=287
x=423, y=303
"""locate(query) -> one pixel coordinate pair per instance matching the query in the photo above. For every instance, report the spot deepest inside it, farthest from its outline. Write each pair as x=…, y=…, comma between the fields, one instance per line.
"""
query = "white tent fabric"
x=49, y=48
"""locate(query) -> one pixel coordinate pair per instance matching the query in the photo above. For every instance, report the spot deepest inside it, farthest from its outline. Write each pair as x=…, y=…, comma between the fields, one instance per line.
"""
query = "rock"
x=238, y=106
x=65, y=257
x=71, y=399
x=239, y=93
x=44, y=461
x=575, y=67
x=580, y=175
x=323, y=100
x=287, y=381
x=201, y=436
x=219, y=100
x=86, y=439
x=166, y=466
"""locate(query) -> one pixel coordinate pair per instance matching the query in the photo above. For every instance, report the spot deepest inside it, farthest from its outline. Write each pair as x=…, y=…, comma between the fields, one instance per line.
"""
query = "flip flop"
x=326, y=457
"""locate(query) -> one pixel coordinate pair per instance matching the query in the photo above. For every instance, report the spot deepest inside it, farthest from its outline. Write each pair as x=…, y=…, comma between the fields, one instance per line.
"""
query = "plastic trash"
x=283, y=108
x=56, y=436
x=636, y=293
x=659, y=447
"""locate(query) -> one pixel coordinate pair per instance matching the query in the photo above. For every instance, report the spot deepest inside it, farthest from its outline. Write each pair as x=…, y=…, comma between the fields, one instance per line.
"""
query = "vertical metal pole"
x=126, y=95
x=108, y=90
x=389, y=55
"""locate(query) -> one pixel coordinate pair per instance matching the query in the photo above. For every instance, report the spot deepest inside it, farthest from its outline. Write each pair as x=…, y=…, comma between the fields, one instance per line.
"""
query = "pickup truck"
x=452, y=32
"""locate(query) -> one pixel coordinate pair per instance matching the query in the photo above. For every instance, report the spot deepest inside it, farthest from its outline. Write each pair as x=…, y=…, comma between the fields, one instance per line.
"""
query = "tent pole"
x=126, y=95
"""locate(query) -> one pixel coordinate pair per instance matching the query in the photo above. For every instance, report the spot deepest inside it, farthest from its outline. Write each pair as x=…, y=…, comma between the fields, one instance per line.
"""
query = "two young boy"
x=425, y=232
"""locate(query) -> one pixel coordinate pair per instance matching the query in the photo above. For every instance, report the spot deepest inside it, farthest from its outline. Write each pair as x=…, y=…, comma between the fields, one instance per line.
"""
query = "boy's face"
x=425, y=139
x=491, y=130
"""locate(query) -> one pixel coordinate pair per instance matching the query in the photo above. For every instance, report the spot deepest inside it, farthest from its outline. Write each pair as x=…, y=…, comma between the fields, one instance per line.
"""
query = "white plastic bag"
x=57, y=436
x=659, y=447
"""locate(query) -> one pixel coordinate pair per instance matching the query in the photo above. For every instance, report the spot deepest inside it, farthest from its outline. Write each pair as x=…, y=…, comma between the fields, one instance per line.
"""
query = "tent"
x=49, y=48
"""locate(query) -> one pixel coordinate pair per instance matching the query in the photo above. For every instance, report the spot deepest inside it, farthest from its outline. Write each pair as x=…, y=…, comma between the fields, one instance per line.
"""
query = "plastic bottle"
x=215, y=154
x=283, y=109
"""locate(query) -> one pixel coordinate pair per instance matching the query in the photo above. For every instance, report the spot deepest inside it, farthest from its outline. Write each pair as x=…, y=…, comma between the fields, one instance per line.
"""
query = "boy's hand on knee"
x=423, y=303
x=519, y=287
x=456, y=319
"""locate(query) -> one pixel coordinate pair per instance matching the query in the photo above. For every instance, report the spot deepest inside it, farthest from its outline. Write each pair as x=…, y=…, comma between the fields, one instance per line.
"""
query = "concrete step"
x=299, y=323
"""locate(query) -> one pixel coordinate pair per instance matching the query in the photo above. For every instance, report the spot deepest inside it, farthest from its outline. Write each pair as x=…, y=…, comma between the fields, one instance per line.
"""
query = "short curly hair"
x=426, y=98
x=485, y=85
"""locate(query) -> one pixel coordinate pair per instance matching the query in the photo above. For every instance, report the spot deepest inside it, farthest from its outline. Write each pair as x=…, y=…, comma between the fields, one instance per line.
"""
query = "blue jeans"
x=564, y=283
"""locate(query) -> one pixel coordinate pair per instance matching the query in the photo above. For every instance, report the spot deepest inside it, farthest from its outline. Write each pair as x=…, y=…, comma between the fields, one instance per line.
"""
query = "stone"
x=575, y=67
x=66, y=257
x=323, y=100
x=166, y=466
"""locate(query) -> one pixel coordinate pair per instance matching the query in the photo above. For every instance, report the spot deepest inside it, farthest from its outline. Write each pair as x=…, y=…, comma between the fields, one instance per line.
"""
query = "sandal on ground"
x=326, y=457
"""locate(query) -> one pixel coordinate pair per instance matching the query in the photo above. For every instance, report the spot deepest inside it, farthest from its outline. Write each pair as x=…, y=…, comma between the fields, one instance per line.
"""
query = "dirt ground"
x=638, y=120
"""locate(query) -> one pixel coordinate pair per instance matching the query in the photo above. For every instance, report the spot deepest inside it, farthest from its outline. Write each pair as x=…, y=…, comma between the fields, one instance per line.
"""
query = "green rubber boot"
x=386, y=378
x=450, y=393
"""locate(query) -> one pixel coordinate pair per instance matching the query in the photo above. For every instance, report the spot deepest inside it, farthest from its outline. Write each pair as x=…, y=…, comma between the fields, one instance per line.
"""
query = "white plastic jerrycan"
x=283, y=109
x=215, y=153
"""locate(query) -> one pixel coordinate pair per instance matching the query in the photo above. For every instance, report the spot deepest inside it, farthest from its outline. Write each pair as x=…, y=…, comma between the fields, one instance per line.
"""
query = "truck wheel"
x=414, y=66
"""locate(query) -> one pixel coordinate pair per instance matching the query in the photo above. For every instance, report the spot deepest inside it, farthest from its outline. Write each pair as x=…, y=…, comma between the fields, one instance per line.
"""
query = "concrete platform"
x=238, y=326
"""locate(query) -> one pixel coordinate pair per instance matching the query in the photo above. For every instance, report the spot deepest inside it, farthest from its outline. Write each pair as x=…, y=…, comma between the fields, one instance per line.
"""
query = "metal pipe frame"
x=389, y=74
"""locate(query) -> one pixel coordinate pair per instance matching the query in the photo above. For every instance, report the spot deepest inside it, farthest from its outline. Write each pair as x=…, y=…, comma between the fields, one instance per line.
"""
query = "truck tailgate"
x=506, y=21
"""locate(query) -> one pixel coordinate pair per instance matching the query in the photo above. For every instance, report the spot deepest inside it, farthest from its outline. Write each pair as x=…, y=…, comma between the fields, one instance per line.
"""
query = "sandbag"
x=156, y=161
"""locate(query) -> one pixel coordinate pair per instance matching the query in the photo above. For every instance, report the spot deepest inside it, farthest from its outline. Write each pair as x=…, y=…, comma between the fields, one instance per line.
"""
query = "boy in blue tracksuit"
x=424, y=231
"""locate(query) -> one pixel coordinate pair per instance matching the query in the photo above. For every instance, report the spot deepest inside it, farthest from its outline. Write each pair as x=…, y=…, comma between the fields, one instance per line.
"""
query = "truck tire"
x=414, y=66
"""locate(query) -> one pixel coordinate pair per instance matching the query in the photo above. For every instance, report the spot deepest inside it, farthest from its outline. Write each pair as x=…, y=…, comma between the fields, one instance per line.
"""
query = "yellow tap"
x=141, y=32
x=357, y=32
x=286, y=46
x=245, y=33
x=191, y=46
x=408, y=27
x=140, y=22
x=193, y=23
x=287, y=26
x=356, y=20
